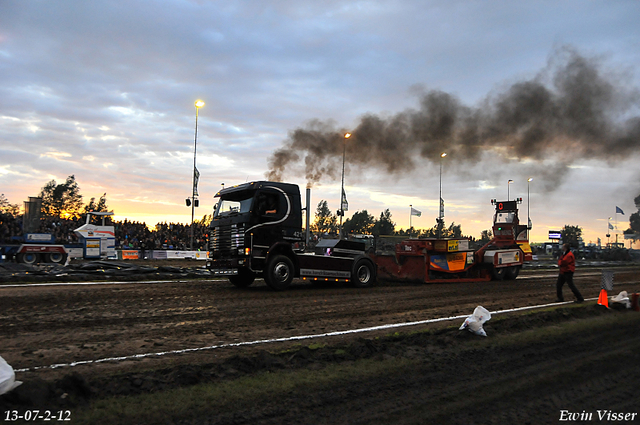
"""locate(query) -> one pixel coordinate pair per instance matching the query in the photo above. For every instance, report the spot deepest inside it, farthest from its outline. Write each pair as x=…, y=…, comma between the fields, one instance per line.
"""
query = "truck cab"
x=256, y=231
x=99, y=240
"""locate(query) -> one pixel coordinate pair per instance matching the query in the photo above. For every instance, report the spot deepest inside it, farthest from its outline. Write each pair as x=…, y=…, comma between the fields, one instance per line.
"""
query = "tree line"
x=62, y=211
x=362, y=222
x=64, y=200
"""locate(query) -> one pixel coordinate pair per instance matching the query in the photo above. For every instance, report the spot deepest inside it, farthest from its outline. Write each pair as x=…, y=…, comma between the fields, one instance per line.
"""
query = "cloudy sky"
x=510, y=90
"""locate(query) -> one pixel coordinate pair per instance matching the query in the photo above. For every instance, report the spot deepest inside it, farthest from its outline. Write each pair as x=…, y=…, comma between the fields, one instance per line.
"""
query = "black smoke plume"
x=573, y=109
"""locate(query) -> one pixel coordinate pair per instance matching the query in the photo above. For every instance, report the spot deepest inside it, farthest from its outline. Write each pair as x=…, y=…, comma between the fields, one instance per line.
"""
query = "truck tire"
x=363, y=274
x=244, y=278
x=279, y=273
x=512, y=272
x=498, y=273
x=55, y=258
x=27, y=258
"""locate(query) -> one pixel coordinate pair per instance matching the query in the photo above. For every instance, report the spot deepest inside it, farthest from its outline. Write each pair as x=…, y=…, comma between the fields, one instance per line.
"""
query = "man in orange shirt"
x=567, y=264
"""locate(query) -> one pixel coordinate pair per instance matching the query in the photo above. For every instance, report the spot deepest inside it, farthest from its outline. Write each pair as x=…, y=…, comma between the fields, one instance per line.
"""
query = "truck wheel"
x=363, y=274
x=55, y=257
x=279, y=273
x=27, y=258
x=244, y=278
x=499, y=273
x=512, y=272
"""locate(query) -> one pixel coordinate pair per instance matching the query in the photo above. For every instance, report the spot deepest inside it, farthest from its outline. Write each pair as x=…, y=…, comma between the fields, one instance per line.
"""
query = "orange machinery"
x=452, y=259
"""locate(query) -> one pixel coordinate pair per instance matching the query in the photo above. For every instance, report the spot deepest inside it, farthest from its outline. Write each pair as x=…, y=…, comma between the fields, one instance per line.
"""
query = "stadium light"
x=196, y=174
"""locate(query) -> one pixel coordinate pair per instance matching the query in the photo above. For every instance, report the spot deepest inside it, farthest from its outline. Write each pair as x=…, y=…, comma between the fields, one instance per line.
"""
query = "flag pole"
x=616, y=230
x=410, y=214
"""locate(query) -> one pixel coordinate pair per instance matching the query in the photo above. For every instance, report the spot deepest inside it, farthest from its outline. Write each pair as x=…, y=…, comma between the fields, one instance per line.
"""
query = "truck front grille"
x=226, y=241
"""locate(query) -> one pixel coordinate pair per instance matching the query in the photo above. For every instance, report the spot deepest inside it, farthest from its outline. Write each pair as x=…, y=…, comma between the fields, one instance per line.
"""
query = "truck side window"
x=268, y=205
x=272, y=204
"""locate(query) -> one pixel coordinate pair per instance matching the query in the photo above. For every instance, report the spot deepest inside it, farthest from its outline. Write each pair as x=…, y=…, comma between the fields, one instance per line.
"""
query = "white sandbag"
x=474, y=322
x=622, y=298
x=7, y=377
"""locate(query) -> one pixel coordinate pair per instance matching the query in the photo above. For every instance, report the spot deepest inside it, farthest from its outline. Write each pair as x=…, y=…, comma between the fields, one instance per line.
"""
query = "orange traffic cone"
x=603, y=299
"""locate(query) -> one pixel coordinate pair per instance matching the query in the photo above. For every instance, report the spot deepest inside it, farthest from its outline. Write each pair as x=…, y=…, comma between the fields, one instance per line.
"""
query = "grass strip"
x=183, y=403
x=228, y=396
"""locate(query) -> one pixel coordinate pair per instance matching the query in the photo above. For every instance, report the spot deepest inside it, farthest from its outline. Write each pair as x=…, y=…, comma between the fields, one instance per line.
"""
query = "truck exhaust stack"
x=308, y=219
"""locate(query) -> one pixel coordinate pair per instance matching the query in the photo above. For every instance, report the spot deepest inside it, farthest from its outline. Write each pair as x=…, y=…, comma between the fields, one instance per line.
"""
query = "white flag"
x=415, y=212
x=345, y=204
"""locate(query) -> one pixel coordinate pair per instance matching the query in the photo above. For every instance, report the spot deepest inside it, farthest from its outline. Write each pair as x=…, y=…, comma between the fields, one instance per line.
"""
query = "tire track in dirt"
x=47, y=325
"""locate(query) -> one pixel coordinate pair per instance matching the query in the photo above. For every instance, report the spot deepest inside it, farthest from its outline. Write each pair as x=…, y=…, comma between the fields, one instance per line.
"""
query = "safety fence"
x=156, y=254
x=160, y=254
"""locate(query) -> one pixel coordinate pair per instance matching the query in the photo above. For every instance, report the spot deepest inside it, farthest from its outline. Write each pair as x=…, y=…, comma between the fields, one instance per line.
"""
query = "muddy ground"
x=448, y=380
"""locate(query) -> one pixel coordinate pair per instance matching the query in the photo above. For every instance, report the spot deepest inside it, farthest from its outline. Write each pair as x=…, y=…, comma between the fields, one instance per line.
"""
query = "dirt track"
x=46, y=325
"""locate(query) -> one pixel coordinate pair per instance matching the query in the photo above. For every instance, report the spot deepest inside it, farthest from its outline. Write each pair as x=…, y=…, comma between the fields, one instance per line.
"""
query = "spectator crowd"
x=129, y=234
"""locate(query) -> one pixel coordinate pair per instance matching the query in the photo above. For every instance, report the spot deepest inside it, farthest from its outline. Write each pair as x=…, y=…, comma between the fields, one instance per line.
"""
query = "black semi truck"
x=256, y=231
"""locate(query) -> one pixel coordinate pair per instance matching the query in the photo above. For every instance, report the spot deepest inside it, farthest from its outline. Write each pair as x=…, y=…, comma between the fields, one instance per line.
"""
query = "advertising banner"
x=159, y=254
x=452, y=245
x=178, y=255
x=448, y=262
x=508, y=257
x=202, y=255
x=92, y=247
x=130, y=254
x=39, y=237
x=74, y=252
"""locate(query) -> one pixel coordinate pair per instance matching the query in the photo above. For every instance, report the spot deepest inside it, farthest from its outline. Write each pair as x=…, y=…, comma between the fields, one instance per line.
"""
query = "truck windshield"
x=505, y=217
x=234, y=204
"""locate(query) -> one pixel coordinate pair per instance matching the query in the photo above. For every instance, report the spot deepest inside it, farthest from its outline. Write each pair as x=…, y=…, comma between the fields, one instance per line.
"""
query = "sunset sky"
x=544, y=90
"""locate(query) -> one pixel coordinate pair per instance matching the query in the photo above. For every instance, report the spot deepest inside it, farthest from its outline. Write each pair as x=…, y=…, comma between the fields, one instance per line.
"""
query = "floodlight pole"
x=440, y=202
x=410, y=214
x=198, y=104
x=344, y=153
x=528, y=206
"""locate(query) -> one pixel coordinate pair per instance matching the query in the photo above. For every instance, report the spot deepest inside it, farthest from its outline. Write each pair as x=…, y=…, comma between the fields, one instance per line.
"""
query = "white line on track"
x=284, y=339
x=35, y=285
x=102, y=282
x=554, y=275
